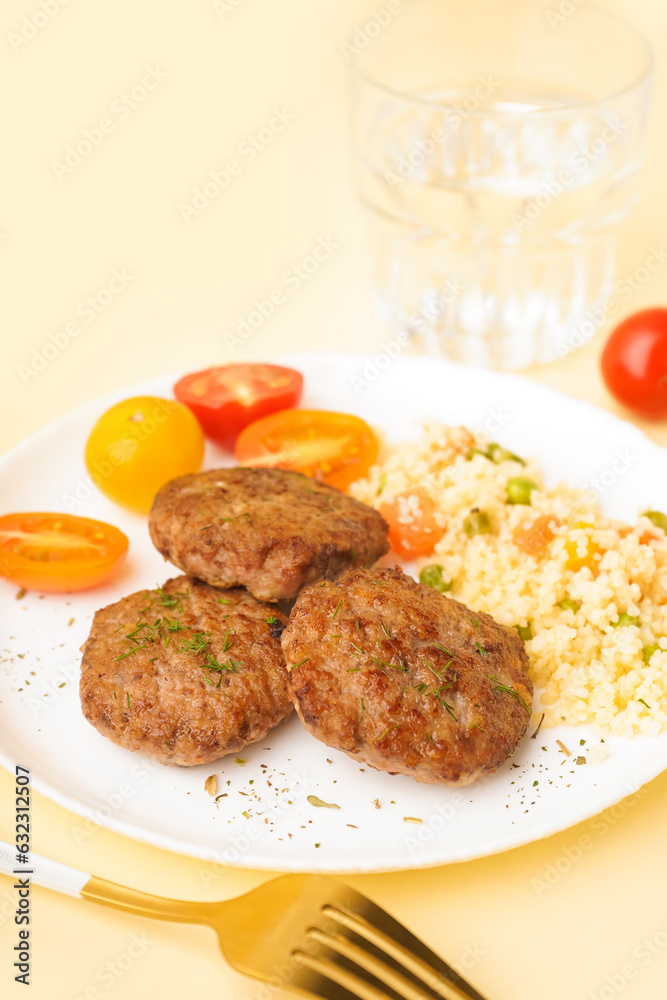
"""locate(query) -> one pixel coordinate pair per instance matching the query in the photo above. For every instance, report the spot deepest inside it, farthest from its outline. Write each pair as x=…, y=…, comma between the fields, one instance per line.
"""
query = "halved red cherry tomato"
x=59, y=552
x=413, y=529
x=336, y=448
x=228, y=398
x=634, y=363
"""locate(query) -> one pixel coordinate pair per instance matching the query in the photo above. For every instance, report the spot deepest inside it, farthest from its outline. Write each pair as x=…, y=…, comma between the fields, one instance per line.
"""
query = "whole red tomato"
x=634, y=363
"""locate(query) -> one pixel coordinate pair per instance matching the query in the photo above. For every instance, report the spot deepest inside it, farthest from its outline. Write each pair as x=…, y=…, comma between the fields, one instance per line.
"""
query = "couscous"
x=587, y=593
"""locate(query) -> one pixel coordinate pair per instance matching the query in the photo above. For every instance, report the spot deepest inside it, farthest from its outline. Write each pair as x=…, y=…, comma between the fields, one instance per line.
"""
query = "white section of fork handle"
x=42, y=871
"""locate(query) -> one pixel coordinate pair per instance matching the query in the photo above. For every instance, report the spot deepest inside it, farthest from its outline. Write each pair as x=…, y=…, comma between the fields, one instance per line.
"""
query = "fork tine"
x=396, y=941
x=333, y=973
x=387, y=975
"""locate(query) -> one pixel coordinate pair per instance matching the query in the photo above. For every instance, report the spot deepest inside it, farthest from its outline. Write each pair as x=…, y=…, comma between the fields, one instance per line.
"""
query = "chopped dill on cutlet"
x=198, y=643
x=507, y=689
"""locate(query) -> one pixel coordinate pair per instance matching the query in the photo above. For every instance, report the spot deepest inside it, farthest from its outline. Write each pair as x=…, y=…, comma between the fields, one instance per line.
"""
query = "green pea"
x=477, y=451
x=657, y=518
x=519, y=489
x=432, y=577
x=495, y=453
x=648, y=651
x=499, y=454
x=525, y=632
x=477, y=522
x=625, y=619
x=567, y=604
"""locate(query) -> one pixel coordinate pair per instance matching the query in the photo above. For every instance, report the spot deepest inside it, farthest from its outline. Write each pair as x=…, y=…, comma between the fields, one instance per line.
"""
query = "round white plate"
x=264, y=819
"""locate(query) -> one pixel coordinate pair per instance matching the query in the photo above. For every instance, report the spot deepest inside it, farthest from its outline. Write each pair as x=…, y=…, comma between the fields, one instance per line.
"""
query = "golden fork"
x=304, y=933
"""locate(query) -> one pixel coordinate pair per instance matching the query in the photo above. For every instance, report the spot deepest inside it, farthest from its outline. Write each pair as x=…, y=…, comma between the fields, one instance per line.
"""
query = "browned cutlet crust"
x=269, y=530
x=162, y=701
x=404, y=679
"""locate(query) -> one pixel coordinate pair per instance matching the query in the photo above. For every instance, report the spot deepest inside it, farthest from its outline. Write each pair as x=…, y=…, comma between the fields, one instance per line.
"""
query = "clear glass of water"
x=497, y=147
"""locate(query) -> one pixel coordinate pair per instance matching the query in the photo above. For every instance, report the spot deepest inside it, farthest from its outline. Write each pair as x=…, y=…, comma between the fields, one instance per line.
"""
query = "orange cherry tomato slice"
x=413, y=529
x=336, y=448
x=59, y=552
x=227, y=398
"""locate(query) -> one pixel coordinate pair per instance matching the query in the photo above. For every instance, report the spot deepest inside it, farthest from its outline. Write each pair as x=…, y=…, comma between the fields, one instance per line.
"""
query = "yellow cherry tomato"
x=139, y=445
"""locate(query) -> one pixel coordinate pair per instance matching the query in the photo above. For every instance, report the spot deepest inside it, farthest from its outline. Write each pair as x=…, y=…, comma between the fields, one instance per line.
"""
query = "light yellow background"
x=60, y=241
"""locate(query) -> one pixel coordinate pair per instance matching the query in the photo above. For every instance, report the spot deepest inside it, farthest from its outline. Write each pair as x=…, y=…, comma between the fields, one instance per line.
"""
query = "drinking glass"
x=497, y=146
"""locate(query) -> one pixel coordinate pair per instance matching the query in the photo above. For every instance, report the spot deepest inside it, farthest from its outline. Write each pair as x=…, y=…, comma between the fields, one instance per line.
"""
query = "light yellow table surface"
x=226, y=71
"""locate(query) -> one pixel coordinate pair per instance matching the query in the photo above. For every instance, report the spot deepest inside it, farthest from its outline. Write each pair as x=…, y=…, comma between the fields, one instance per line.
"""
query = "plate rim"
x=267, y=863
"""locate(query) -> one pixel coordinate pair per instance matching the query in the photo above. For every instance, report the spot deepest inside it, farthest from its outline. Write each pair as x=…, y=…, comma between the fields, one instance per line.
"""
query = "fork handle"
x=41, y=871
x=61, y=878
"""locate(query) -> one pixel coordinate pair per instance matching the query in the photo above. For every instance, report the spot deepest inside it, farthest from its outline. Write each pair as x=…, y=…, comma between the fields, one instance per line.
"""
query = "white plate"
x=41, y=725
